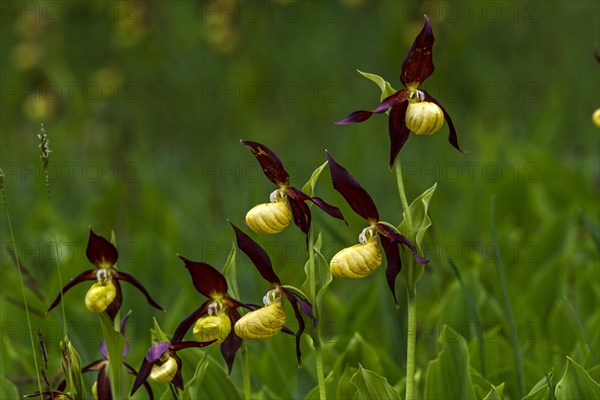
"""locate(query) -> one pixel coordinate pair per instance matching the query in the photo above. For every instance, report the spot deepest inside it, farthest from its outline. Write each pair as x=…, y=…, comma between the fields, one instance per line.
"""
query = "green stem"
x=400, y=182
x=312, y=284
x=411, y=288
x=411, y=344
x=246, y=372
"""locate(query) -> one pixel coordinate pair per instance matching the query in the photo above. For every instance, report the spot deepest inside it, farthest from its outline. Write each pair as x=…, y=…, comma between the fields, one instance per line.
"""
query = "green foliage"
x=448, y=375
x=386, y=88
x=372, y=386
x=210, y=381
x=576, y=383
x=421, y=221
x=115, y=343
x=158, y=161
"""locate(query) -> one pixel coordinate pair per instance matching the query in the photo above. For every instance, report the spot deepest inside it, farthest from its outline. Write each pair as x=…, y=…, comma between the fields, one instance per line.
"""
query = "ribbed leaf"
x=576, y=383
x=372, y=386
x=386, y=89
x=539, y=391
x=115, y=343
x=214, y=383
x=448, y=375
x=194, y=385
x=230, y=273
x=418, y=210
x=309, y=186
x=493, y=395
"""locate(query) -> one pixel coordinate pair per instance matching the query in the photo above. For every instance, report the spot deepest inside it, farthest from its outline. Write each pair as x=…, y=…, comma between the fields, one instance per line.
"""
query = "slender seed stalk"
x=45, y=156
x=312, y=283
x=18, y=261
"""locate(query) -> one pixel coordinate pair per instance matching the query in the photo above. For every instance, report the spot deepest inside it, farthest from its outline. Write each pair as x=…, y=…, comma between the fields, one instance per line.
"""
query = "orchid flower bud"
x=360, y=260
x=270, y=217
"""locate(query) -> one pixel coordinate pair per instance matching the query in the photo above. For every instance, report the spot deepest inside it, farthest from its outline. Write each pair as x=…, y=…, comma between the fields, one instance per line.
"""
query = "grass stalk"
x=18, y=262
x=514, y=335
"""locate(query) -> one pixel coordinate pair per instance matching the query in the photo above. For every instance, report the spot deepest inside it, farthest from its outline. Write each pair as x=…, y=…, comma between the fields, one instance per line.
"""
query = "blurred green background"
x=145, y=103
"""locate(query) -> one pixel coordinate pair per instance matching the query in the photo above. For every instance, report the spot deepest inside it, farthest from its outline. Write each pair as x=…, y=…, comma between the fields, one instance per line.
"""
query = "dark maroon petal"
x=143, y=373
x=322, y=204
x=178, y=379
x=130, y=370
x=207, y=280
x=155, y=351
x=258, y=256
x=356, y=116
x=187, y=323
x=95, y=366
x=299, y=332
x=270, y=163
x=418, y=63
x=391, y=101
x=452, y=137
x=357, y=197
x=134, y=282
x=89, y=275
x=301, y=213
x=103, y=386
x=113, y=308
x=233, y=303
x=396, y=237
x=100, y=251
x=398, y=130
x=394, y=263
x=189, y=344
x=232, y=343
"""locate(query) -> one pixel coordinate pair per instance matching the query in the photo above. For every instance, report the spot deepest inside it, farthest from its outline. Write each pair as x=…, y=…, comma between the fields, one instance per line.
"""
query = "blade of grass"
x=14, y=244
x=473, y=312
x=507, y=307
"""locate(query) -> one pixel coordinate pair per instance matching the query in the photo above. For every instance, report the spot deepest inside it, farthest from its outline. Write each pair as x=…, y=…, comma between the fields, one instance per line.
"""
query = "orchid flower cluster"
x=220, y=319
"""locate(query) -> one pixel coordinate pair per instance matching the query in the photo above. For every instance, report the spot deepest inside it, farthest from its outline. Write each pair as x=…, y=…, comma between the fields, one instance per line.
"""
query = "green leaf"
x=8, y=390
x=71, y=365
x=420, y=219
x=493, y=395
x=539, y=391
x=421, y=222
x=213, y=382
x=372, y=386
x=386, y=88
x=344, y=389
x=229, y=271
x=157, y=334
x=115, y=343
x=309, y=186
x=576, y=383
x=448, y=375
x=322, y=274
x=193, y=386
